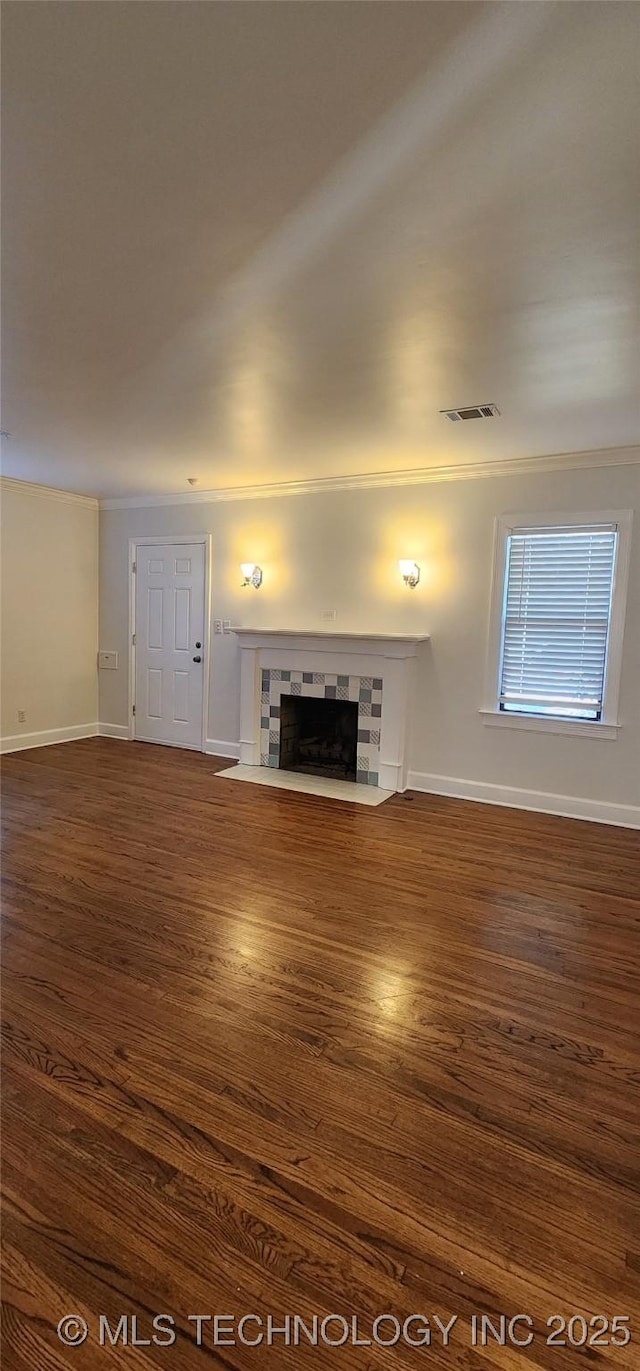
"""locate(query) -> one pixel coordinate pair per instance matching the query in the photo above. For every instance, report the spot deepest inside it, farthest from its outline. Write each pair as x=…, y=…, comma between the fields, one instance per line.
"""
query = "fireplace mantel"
x=327, y=640
x=387, y=657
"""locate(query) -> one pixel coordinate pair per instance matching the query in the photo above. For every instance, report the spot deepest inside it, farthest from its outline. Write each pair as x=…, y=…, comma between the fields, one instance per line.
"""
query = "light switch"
x=108, y=661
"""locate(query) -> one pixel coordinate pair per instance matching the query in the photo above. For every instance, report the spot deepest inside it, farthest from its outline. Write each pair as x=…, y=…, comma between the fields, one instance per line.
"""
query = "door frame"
x=173, y=540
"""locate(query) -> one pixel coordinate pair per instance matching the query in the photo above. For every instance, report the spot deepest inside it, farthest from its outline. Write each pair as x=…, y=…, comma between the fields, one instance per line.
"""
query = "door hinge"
x=133, y=710
x=134, y=568
x=133, y=639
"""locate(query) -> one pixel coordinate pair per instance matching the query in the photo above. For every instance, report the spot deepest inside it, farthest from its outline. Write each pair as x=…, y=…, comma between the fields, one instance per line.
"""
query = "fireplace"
x=319, y=736
x=374, y=673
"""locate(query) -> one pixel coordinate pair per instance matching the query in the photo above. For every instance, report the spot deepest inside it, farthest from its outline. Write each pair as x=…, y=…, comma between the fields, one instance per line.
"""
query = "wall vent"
x=472, y=412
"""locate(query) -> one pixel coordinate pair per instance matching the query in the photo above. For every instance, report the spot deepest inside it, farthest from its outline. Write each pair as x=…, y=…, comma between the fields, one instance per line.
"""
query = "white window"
x=558, y=616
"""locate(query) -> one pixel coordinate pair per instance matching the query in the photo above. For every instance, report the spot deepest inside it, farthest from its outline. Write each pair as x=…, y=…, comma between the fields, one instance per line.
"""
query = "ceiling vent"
x=472, y=412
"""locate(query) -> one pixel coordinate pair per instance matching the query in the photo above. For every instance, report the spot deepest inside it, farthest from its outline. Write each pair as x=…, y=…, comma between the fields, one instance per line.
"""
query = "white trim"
x=165, y=742
x=539, y=801
x=114, y=731
x=48, y=492
x=617, y=618
x=21, y=742
x=505, y=524
x=314, y=640
x=175, y=540
x=218, y=747
x=467, y=471
x=538, y=723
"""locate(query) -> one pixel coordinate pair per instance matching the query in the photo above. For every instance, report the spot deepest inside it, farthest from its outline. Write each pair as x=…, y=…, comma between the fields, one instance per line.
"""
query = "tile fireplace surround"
x=376, y=670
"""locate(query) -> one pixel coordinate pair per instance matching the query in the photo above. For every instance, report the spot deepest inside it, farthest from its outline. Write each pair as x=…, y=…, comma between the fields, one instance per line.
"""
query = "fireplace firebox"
x=319, y=736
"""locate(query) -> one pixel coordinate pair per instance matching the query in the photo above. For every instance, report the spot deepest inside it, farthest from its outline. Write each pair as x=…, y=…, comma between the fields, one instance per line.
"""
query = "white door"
x=169, y=642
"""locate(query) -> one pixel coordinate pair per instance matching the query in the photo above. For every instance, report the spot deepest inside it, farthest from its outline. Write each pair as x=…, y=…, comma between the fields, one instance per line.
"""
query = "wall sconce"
x=410, y=572
x=252, y=574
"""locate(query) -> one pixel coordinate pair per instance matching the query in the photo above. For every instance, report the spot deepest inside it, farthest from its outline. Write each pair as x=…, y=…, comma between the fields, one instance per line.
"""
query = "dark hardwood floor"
x=265, y=1053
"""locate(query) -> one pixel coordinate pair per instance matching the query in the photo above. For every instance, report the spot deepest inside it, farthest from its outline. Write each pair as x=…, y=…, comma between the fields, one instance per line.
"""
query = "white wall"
x=49, y=614
x=340, y=551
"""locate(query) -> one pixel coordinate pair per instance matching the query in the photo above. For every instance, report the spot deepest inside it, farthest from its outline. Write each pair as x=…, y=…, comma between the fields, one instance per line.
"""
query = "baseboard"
x=113, y=731
x=217, y=747
x=569, y=806
x=22, y=741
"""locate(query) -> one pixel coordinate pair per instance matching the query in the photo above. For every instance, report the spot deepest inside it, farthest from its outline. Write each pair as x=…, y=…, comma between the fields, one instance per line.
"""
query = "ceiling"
x=259, y=242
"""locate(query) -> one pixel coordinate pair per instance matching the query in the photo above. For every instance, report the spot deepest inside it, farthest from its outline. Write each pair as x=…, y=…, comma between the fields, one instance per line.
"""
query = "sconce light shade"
x=410, y=572
x=252, y=574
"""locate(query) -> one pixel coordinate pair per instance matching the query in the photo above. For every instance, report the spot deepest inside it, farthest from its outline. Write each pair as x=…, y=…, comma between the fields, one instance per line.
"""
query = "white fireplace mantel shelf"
x=327, y=640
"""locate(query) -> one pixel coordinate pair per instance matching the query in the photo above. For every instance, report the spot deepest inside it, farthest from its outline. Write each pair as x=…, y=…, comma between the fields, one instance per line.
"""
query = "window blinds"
x=557, y=606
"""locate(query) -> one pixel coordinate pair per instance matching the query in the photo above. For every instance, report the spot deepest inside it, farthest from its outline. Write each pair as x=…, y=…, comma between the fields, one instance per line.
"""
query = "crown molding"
x=47, y=492
x=516, y=466
x=419, y=476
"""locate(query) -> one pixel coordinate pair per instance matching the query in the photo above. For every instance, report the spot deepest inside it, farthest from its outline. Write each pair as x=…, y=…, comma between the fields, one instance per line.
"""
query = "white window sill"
x=532, y=723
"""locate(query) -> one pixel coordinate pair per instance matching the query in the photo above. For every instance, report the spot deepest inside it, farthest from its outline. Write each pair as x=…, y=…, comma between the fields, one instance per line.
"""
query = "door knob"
x=197, y=659
x=198, y=644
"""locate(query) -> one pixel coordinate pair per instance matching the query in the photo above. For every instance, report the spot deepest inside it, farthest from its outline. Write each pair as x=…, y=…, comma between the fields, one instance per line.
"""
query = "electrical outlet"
x=108, y=661
x=22, y=716
x=217, y=625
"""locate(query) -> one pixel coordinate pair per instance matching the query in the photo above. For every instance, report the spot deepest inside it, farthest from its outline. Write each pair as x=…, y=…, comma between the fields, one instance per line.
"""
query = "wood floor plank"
x=268, y=1053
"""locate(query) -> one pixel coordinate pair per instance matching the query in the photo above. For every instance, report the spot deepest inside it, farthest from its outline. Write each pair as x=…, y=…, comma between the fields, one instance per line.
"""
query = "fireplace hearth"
x=319, y=736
